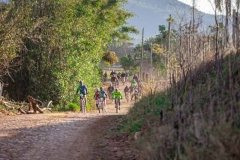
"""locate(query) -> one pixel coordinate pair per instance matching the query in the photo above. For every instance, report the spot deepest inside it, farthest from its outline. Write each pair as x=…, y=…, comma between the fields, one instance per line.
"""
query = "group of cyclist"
x=100, y=93
x=135, y=89
x=116, y=77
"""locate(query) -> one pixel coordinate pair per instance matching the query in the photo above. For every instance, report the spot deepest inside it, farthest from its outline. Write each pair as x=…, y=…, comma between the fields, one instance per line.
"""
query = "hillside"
x=149, y=14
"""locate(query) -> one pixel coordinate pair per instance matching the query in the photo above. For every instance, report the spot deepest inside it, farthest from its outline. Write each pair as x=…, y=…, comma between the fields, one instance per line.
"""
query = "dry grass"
x=199, y=120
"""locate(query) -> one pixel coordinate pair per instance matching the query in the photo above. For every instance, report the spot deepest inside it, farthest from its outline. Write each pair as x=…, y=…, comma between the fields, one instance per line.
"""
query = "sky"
x=201, y=5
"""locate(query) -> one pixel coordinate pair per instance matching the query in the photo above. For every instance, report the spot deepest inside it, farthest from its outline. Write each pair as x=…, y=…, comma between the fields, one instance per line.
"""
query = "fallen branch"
x=26, y=108
x=21, y=111
x=43, y=109
x=49, y=103
x=8, y=105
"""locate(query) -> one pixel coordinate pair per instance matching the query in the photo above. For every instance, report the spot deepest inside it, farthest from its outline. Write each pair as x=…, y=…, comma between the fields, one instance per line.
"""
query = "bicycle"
x=109, y=95
x=114, y=84
x=117, y=105
x=123, y=80
x=101, y=105
x=127, y=96
x=104, y=79
x=136, y=96
x=82, y=104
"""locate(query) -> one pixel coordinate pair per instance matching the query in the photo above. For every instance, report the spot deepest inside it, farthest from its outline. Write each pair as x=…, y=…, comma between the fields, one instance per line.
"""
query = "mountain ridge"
x=149, y=14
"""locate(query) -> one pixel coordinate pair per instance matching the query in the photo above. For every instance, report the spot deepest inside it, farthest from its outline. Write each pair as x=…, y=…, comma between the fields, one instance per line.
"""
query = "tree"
x=128, y=63
x=110, y=58
x=57, y=43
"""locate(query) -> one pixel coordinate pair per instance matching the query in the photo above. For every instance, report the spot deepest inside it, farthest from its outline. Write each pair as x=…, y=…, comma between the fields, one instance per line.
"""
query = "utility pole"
x=169, y=42
x=169, y=32
x=151, y=64
x=142, y=56
x=192, y=33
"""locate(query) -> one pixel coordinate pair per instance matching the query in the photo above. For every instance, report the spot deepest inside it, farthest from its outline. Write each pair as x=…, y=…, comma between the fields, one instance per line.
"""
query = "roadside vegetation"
x=196, y=113
x=201, y=121
x=48, y=46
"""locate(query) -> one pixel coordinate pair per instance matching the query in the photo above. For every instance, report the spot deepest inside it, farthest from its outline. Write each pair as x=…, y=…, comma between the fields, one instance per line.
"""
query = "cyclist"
x=117, y=94
x=105, y=76
x=126, y=75
x=135, y=77
x=135, y=95
x=134, y=83
x=126, y=89
x=97, y=96
x=83, y=90
x=103, y=95
x=110, y=90
x=112, y=73
x=118, y=77
x=131, y=89
x=123, y=77
x=114, y=80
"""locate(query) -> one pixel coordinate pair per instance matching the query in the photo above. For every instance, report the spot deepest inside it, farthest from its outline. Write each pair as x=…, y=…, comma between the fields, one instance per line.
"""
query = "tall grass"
x=199, y=119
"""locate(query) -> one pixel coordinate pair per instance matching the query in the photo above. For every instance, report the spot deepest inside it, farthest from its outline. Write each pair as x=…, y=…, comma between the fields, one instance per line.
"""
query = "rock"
x=137, y=135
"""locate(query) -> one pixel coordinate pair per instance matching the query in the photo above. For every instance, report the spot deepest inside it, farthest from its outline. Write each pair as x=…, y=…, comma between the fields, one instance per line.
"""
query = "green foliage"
x=163, y=102
x=73, y=107
x=57, y=43
x=161, y=38
x=170, y=19
x=157, y=45
x=158, y=62
x=128, y=63
x=131, y=126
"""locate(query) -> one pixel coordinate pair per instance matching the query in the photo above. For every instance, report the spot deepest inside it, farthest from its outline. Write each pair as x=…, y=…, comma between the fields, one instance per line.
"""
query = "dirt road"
x=58, y=136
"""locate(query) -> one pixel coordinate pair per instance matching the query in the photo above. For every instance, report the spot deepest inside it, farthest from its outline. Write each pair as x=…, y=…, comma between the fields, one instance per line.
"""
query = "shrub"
x=73, y=107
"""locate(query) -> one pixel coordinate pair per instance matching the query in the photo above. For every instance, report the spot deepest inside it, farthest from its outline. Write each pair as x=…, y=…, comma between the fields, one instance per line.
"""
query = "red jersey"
x=97, y=95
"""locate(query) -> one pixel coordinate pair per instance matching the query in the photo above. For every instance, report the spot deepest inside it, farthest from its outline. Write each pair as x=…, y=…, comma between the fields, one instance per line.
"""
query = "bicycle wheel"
x=83, y=106
x=127, y=96
x=117, y=104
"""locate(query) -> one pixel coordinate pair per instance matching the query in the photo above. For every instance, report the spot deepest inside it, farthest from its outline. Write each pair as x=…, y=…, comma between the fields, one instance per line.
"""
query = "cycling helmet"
x=116, y=89
x=80, y=81
x=97, y=89
x=101, y=88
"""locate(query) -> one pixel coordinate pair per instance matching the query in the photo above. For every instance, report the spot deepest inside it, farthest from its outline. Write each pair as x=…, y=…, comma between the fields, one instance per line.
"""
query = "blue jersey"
x=103, y=94
x=82, y=89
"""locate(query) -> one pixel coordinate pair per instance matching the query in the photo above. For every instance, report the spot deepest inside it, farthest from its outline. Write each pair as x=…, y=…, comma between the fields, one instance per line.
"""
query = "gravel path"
x=57, y=136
